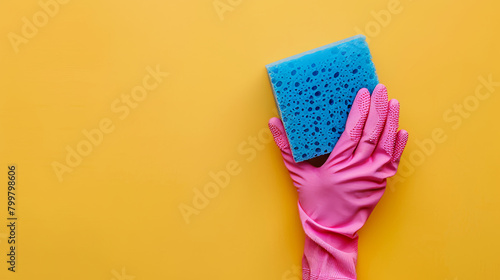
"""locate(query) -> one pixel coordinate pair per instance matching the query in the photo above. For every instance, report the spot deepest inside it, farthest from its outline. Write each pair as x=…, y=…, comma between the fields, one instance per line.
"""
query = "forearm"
x=329, y=253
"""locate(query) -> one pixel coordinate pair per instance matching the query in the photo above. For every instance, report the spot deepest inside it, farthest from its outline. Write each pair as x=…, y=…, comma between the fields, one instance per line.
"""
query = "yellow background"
x=116, y=215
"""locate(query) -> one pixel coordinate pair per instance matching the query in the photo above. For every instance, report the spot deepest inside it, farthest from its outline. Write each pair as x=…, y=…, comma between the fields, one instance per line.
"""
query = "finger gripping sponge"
x=314, y=92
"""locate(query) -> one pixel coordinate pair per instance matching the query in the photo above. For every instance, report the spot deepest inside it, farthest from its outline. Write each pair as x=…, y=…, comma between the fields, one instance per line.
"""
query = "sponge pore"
x=314, y=92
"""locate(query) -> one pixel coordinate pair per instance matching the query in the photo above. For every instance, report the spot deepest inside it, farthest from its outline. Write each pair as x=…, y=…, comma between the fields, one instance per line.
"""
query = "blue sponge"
x=314, y=92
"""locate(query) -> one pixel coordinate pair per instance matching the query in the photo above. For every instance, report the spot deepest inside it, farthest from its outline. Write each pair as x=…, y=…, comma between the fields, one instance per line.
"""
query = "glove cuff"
x=329, y=253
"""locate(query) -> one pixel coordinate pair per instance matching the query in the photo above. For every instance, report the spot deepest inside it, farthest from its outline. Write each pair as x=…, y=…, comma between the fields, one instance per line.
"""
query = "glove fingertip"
x=391, y=127
x=279, y=134
x=356, y=121
x=401, y=140
x=380, y=89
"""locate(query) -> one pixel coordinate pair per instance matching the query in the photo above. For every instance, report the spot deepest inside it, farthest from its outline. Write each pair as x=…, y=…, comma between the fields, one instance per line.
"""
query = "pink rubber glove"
x=336, y=199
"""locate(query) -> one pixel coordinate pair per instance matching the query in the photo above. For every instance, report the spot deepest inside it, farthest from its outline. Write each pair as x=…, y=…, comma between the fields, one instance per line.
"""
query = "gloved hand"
x=336, y=198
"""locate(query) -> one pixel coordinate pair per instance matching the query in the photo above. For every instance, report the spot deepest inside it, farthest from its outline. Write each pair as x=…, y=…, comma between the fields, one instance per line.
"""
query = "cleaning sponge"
x=314, y=92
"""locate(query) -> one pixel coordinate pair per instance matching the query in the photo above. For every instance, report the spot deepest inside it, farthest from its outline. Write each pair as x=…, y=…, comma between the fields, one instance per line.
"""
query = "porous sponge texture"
x=314, y=92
